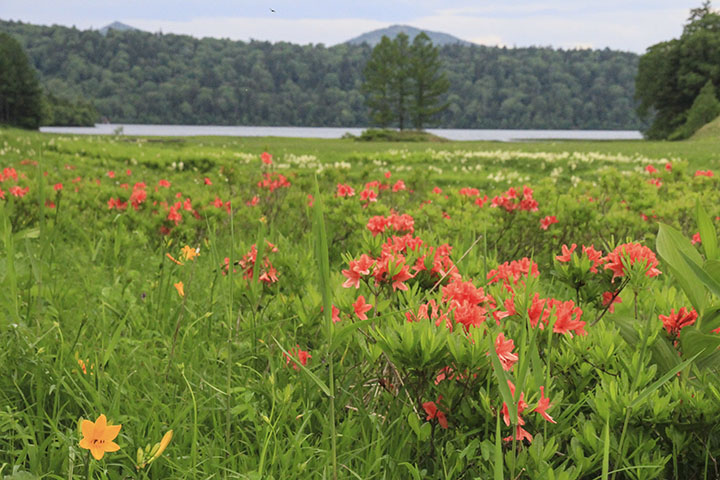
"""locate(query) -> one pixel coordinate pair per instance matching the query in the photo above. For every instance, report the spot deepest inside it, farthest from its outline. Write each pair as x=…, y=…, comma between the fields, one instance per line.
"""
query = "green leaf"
x=708, y=235
x=321, y=252
x=502, y=380
x=712, y=267
x=710, y=320
x=671, y=245
x=606, y=450
x=310, y=374
x=497, y=452
x=346, y=330
x=695, y=342
x=660, y=382
x=702, y=275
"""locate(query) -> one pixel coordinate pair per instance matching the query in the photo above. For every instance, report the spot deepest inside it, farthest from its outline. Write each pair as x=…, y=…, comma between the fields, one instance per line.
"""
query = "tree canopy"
x=140, y=77
x=20, y=94
x=672, y=74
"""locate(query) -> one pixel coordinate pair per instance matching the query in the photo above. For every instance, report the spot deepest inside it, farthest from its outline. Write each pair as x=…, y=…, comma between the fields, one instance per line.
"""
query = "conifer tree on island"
x=430, y=83
x=20, y=94
x=404, y=82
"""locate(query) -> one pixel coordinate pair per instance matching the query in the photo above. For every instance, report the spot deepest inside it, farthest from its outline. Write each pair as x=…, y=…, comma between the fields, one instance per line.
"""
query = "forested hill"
x=139, y=77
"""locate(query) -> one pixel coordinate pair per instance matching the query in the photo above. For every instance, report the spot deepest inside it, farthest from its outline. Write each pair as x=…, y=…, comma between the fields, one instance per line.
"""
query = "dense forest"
x=139, y=77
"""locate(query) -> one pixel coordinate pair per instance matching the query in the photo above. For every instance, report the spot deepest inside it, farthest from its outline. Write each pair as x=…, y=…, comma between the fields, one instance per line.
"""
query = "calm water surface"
x=322, y=132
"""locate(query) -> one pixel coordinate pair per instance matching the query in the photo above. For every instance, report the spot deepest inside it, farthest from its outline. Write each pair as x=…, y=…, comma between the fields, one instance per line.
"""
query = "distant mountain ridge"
x=119, y=26
x=438, y=38
x=159, y=78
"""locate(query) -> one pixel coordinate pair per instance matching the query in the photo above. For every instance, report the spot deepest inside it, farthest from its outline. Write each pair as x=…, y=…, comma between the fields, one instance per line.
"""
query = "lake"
x=323, y=132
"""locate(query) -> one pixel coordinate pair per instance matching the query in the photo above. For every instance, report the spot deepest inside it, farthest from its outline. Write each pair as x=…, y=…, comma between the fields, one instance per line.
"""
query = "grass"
x=91, y=322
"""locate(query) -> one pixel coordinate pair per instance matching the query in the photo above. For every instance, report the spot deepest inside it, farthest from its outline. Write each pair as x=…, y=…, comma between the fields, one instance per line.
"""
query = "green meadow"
x=368, y=310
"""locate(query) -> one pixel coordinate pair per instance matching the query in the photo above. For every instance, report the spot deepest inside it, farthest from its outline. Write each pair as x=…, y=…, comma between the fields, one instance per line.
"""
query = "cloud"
x=489, y=40
x=615, y=30
x=302, y=31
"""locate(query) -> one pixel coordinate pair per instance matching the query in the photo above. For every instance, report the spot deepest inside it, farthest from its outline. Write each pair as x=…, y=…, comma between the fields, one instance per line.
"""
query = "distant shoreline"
x=338, y=132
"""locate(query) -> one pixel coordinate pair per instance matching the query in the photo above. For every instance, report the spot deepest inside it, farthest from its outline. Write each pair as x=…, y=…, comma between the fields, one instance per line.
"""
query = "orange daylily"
x=180, y=288
x=98, y=436
x=190, y=253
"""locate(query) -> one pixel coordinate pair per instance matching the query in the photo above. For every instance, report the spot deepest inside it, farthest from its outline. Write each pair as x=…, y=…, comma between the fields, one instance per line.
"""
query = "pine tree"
x=20, y=94
x=378, y=72
x=404, y=82
x=429, y=81
x=401, y=81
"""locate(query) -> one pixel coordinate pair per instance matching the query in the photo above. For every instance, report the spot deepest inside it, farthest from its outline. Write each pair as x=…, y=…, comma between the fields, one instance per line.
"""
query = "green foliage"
x=139, y=77
x=61, y=111
x=20, y=96
x=672, y=74
x=388, y=135
x=705, y=109
x=89, y=315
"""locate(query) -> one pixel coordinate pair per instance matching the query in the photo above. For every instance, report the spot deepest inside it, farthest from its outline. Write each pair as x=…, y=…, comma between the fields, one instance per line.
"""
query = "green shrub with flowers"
x=192, y=309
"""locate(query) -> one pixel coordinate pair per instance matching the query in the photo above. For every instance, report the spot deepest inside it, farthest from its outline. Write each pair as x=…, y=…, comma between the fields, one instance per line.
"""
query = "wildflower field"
x=281, y=308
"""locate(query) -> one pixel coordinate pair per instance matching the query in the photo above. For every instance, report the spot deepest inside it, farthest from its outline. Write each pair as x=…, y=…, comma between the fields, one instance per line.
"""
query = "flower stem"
x=87, y=466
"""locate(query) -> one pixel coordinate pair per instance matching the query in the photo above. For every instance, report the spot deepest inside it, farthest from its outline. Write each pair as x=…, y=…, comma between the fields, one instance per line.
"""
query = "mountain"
x=142, y=77
x=374, y=37
x=120, y=27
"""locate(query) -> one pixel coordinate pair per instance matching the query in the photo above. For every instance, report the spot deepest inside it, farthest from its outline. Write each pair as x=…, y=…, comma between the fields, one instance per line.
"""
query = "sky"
x=628, y=25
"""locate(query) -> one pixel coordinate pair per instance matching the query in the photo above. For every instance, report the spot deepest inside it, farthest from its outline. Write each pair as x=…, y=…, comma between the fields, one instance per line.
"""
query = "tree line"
x=140, y=77
x=677, y=79
x=23, y=102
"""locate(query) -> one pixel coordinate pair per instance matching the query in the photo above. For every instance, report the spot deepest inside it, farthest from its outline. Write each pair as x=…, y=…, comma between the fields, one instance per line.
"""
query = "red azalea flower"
x=469, y=192
x=544, y=404
x=434, y=413
x=632, y=253
x=111, y=174
x=595, y=256
x=302, y=356
x=437, y=190
x=696, y=239
x=335, y=314
x=607, y=297
x=376, y=224
x=568, y=318
x=357, y=268
x=675, y=322
x=164, y=183
x=361, y=308
x=17, y=191
x=344, y=190
x=58, y=187
x=566, y=253
x=504, y=349
x=266, y=158
x=207, y=181
x=174, y=215
x=399, y=185
x=650, y=169
x=547, y=221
